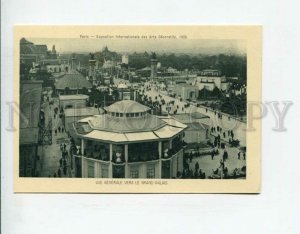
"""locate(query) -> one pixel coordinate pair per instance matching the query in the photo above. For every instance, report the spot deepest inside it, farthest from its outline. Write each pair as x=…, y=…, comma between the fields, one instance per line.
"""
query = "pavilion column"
x=97, y=170
x=110, y=172
x=82, y=167
x=159, y=161
x=82, y=146
x=82, y=160
x=171, y=160
x=170, y=143
x=126, y=162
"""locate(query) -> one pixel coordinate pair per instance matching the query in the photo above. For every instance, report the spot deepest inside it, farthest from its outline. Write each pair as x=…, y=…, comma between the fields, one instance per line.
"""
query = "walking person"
x=225, y=155
x=212, y=154
x=65, y=162
x=196, y=174
x=59, y=129
x=65, y=171
x=222, y=164
x=59, y=172
x=239, y=155
x=197, y=166
x=225, y=172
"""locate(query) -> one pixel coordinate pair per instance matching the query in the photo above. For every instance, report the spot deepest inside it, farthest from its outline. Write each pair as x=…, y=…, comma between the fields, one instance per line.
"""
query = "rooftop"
x=84, y=111
x=129, y=127
x=190, y=118
x=127, y=106
x=106, y=128
x=113, y=124
x=73, y=97
x=73, y=81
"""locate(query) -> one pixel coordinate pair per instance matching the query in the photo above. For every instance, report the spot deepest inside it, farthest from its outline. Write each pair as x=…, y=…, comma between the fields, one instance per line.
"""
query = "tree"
x=115, y=94
x=67, y=90
x=84, y=91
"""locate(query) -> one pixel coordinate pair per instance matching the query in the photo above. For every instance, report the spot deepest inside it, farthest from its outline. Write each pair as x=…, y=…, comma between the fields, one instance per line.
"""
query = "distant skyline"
x=190, y=46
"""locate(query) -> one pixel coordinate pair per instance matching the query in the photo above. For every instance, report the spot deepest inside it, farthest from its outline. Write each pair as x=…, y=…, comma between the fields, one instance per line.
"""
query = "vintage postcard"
x=137, y=109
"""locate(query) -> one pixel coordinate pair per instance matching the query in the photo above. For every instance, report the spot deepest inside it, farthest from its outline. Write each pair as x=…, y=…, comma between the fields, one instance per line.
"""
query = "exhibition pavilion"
x=127, y=141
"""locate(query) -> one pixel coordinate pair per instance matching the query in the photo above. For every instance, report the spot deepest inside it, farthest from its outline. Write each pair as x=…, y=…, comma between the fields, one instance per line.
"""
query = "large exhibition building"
x=129, y=142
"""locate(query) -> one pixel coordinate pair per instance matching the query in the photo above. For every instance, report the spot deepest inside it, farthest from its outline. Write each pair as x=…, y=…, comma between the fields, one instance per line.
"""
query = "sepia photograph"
x=164, y=117
x=136, y=106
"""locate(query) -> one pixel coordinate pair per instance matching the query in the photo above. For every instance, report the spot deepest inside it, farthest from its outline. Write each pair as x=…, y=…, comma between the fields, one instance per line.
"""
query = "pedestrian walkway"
x=51, y=154
x=226, y=123
x=207, y=165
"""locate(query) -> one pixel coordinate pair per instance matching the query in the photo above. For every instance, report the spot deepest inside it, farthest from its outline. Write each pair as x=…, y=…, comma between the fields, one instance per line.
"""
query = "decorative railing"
x=168, y=153
x=78, y=156
x=96, y=155
x=142, y=157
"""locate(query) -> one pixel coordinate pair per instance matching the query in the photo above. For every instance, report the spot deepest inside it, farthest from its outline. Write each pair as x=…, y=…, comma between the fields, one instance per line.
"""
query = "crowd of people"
x=63, y=165
x=58, y=131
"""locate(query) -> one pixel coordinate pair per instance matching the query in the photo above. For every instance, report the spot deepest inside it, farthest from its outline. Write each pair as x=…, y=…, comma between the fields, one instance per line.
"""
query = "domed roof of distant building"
x=127, y=106
x=73, y=81
x=122, y=86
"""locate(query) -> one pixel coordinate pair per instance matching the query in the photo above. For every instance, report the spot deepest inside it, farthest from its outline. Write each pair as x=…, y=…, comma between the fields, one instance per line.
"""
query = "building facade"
x=129, y=142
x=210, y=79
x=186, y=91
x=31, y=123
x=73, y=101
x=72, y=83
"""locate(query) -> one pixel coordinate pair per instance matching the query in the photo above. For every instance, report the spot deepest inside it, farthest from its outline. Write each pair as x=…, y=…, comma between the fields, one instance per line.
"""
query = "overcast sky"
x=141, y=45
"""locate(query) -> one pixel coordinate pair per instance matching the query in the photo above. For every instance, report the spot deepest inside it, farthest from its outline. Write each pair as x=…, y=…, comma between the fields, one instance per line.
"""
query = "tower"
x=73, y=63
x=153, y=66
x=92, y=72
x=125, y=59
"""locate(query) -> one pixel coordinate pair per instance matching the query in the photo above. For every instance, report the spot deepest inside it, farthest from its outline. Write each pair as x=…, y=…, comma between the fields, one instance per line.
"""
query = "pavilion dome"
x=127, y=106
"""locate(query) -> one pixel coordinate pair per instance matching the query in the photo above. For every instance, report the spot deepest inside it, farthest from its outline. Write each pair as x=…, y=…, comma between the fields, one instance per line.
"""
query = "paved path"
x=206, y=164
x=51, y=154
x=226, y=123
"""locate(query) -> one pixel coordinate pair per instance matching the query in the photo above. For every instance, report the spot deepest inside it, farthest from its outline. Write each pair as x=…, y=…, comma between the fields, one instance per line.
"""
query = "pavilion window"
x=151, y=173
x=117, y=114
x=104, y=171
x=136, y=114
x=91, y=170
x=134, y=173
x=143, y=151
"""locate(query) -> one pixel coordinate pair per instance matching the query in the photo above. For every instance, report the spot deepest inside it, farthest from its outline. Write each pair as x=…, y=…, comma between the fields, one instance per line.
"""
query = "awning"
x=174, y=122
x=141, y=136
x=106, y=136
x=167, y=131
